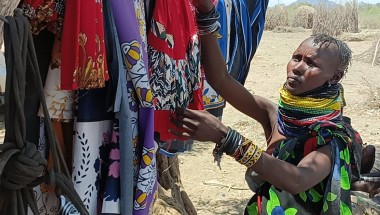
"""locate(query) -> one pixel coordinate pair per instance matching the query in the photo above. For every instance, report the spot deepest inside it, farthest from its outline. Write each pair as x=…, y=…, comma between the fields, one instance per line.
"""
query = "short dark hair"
x=344, y=52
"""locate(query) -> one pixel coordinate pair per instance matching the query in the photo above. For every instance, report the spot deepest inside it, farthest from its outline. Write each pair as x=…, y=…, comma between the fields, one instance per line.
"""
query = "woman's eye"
x=311, y=64
x=296, y=59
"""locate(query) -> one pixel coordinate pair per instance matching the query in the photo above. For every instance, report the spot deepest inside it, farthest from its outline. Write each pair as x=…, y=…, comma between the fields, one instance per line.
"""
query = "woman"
x=306, y=168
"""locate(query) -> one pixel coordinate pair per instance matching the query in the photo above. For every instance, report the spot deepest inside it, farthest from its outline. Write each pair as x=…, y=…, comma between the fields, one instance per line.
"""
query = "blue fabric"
x=92, y=105
x=223, y=31
x=247, y=26
x=121, y=107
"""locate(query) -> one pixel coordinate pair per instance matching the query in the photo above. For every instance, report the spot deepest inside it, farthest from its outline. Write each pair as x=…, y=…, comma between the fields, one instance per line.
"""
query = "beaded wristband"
x=242, y=149
x=208, y=23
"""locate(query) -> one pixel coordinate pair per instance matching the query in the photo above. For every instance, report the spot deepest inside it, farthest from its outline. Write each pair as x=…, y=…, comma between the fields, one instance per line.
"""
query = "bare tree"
x=6, y=9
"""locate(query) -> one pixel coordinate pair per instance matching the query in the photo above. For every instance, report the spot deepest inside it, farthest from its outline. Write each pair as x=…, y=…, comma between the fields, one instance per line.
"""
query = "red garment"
x=176, y=19
x=162, y=124
x=44, y=14
x=174, y=62
x=84, y=63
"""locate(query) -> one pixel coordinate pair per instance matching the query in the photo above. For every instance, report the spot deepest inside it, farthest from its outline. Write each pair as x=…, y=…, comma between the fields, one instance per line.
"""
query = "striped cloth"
x=242, y=26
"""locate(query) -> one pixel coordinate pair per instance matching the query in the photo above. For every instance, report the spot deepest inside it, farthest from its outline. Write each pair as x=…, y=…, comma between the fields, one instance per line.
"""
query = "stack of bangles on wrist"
x=208, y=23
x=242, y=149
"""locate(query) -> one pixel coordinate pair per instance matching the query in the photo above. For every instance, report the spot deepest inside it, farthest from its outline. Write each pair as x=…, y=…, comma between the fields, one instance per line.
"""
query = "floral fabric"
x=44, y=14
x=331, y=196
x=84, y=64
x=132, y=42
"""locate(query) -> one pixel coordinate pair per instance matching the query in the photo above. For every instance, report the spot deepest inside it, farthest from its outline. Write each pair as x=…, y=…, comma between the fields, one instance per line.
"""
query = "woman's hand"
x=198, y=125
x=203, y=6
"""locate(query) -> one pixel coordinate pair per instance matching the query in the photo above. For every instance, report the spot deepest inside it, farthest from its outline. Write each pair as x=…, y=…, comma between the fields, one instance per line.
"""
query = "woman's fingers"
x=192, y=114
x=180, y=134
x=182, y=124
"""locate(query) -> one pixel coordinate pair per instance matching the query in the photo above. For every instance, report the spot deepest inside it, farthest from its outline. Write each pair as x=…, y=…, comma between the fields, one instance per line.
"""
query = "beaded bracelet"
x=242, y=149
x=208, y=23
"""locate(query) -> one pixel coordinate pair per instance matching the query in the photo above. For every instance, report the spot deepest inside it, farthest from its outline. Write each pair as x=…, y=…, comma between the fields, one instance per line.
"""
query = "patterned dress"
x=44, y=14
x=331, y=196
x=84, y=64
x=132, y=43
x=174, y=62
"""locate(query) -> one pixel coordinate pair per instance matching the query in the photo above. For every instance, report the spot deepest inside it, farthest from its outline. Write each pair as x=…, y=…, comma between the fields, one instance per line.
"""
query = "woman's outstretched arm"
x=312, y=169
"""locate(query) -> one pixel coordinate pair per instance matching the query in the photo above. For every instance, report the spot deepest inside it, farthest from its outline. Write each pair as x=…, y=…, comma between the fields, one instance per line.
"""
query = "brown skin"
x=302, y=76
x=311, y=66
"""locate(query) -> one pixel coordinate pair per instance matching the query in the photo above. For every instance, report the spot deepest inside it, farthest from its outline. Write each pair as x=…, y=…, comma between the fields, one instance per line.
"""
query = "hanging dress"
x=132, y=38
x=84, y=68
x=83, y=50
x=44, y=14
x=174, y=62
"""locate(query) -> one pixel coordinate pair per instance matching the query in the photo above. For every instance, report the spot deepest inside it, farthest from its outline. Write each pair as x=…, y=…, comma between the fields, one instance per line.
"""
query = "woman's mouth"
x=293, y=81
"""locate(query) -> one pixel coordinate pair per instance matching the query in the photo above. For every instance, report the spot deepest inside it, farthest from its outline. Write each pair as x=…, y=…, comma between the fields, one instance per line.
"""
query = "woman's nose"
x=299, y=68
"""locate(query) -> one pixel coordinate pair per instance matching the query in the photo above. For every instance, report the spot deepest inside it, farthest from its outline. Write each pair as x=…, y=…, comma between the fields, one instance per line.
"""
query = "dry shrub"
x=287, y=29
x=373, y=101
x=276, y=16
x=372, y=55
x=364, y=35
x=336, y=20
x=304, y=17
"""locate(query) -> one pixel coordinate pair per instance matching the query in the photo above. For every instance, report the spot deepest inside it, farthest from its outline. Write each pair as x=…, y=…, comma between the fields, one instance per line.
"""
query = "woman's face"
x=312, y=66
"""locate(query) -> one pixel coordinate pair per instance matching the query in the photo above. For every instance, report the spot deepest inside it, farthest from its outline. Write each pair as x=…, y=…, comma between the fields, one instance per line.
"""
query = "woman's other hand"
x=198, y=125
x=203, y=6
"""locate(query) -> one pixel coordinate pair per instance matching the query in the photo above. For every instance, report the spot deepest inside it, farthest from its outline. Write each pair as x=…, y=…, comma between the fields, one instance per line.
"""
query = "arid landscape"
x=215, y=191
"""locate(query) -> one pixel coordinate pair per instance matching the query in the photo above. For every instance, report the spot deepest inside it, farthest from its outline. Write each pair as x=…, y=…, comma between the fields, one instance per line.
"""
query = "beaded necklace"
x=297, y=112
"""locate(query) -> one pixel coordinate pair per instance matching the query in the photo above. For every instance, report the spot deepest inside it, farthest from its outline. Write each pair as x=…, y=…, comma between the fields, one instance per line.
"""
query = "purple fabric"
x=128, y=29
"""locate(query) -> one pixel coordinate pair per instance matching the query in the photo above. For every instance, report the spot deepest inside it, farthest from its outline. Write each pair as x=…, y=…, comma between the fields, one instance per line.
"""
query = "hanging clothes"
x=211, y=99
x=132, y=38
x=47, y=201
x=45, y=19
x=247, y=26
x=83, y=49
x=60, y=103
x=92, y=138
x=122, y=108
x=242, y=26
x=44, y=14
x=174, y=62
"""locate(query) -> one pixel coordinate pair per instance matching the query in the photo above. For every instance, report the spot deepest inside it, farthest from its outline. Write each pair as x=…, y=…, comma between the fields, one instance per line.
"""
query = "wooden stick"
x=376, y=50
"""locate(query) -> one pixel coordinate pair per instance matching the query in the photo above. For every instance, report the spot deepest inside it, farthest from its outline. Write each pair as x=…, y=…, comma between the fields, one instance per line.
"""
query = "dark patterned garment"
x=331, y=196
x=44, y=14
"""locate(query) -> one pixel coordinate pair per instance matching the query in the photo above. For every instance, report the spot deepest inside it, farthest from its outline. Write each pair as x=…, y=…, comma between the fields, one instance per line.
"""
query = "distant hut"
x=304, y=17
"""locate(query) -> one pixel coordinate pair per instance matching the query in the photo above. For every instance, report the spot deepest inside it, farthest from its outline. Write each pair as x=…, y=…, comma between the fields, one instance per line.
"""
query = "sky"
x=287, y=2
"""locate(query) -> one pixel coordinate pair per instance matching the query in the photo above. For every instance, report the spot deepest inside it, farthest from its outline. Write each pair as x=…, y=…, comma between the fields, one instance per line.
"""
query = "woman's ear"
x=337, y=76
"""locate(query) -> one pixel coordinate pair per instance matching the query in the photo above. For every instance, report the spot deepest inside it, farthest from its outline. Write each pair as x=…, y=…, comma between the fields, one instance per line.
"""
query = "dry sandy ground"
x=224, y=191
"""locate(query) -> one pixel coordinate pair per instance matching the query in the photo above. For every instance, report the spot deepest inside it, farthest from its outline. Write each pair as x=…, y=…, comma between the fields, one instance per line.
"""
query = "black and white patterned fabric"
x=66, y=207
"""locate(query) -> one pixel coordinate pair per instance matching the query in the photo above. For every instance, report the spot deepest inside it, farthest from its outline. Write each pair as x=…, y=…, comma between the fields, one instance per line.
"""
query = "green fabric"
x=331, y=196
